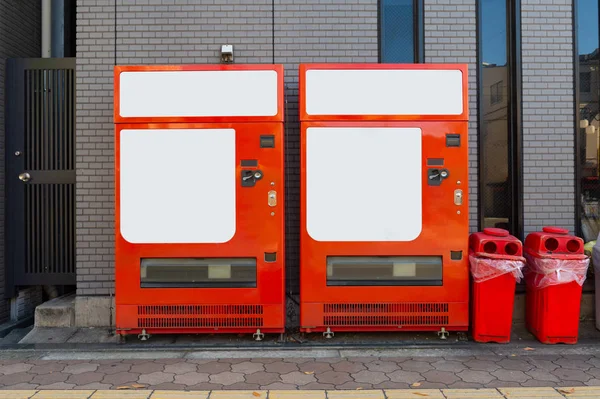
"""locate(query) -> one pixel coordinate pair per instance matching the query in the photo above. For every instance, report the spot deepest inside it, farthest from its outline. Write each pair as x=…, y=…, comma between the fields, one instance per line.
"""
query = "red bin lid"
x=555, y=230
x=492, y=231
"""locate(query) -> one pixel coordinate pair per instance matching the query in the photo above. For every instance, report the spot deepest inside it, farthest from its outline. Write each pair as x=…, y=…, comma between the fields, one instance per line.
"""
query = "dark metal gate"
x=40, y=172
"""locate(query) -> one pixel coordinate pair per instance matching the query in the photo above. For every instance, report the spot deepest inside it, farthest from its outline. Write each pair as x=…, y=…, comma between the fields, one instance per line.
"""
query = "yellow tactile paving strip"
x=500, y=393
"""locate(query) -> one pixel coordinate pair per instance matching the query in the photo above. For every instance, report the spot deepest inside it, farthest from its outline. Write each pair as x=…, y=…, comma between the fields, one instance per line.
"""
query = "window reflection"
x=587, y=45
x=397, y=44
x=494, y=127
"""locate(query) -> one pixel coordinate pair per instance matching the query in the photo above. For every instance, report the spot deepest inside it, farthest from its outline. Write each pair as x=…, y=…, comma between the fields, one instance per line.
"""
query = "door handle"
x=25, y=177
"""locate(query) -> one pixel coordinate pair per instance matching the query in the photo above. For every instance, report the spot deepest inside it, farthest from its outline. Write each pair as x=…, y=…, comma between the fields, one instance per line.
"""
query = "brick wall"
x=19, y=37
x=189, y=32
x=451, y=37
x=548, y=124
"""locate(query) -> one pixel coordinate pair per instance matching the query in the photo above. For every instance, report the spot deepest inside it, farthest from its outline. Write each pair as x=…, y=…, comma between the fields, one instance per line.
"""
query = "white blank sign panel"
x=198, y=93
x=363, y=184
x=177, y=185
x=384, y=92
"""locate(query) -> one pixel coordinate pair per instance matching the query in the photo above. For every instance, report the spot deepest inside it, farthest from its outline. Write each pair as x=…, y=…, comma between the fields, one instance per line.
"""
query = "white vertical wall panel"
x=384, y=92
x=363, y=184
x=177, y=186
x=198, y=93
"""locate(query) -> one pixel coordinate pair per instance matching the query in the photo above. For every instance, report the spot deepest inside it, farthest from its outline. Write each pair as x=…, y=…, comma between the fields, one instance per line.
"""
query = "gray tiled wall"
x=548, y=114
x=192, y=32
x=451, y=37
x=19, y=37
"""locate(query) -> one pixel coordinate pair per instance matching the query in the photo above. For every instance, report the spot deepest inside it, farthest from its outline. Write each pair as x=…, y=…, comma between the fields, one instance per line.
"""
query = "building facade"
x=533, y=98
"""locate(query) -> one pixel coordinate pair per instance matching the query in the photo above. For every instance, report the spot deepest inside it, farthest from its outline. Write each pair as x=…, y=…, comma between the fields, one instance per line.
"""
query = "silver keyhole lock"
x=257, y=175
x=17, y=153
x=25, y=177
x=444, y=174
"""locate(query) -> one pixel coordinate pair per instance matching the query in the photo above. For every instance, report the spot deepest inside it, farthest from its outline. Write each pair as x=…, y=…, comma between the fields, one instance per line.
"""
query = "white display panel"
x=198, y=93
x=363, y=184
x=384, y=92
x=177, y=186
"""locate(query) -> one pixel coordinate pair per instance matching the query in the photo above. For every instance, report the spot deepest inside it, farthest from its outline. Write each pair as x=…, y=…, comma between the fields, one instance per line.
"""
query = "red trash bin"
x=556, y=270
x=496, y=260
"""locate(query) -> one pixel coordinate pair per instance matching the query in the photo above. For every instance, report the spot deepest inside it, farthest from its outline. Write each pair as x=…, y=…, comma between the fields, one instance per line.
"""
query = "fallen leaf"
x=513, y=355
x=420, y=394
x=138, y=386
x=309, y=372
x=528, y=349
x=359, y=388
x=416, y=384
x=567, y=391
x=124, y=387
x=255, y=394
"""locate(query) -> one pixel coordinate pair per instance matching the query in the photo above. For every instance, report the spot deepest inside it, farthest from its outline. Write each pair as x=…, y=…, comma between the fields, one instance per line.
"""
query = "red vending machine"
x=384, y=211
x=199, y=201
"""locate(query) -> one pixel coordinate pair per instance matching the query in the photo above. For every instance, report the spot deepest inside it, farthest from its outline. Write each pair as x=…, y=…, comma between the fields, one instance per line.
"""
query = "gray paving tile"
x=18, y=378
x=262, y=379
x=572, y=375
x=281, y=367
x=443, y=377
x=482, y=365
x=50, y=378
x=408, y=377
x=226, y=378
x=47, y=367
x=574, y=363
x=80, y=368
x=213, y=367
x=349, y=367
x=315, y=367
x=180, y=368
x=120, y=378
x=354, y=385
x=510, y=375
x=147, y=368
x=416, y=365
x=382, y=365
x=448, y=365
x=191, y=378
x=247, y=367
x=298, y=378
x=333, y=377
x=476, y=376
x=244, y=386
x=158, y=377
x=167, y=386
x=14, y=368
x=370, y=377
x=85, y=378
x=542, y=375
x=518, y=365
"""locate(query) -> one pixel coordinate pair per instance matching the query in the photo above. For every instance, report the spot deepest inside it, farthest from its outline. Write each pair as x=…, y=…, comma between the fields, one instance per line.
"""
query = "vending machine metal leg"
x=328, y=334
x=144, y=336
x=258, y=336
x=443, y=334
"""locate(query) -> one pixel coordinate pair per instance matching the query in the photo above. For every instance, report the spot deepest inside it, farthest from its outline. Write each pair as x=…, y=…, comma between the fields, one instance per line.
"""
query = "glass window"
x=198, y=272
x=496, y=112
x=384, y=270
x=398, y=31
x=587, y=46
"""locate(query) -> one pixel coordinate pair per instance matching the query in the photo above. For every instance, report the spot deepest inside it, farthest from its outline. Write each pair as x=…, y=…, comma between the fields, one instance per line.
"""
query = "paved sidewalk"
x=500, y=393
x=309, y=370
